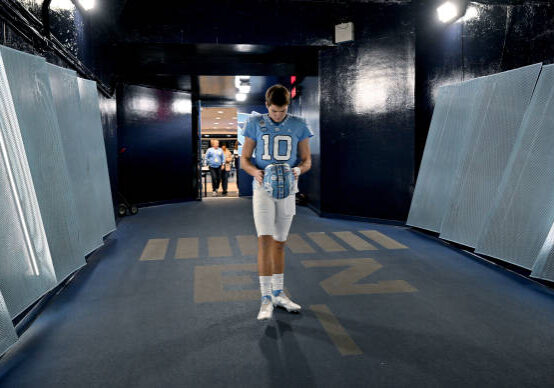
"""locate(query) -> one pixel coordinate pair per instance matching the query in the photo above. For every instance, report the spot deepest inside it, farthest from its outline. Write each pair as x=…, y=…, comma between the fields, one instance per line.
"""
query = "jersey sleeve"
x=305, y=131
x=250, y=129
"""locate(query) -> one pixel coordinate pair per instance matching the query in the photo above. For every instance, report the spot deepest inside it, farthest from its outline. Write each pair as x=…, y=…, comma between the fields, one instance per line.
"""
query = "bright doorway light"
x=447, y=12
x=87, y=4
x=240, y=96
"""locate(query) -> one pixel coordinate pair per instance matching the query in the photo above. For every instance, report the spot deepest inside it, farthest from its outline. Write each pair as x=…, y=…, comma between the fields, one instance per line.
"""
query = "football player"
x=280, y=145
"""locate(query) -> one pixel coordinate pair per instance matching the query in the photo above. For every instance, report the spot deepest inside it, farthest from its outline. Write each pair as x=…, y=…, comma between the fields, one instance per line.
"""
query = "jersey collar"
x=274, y=124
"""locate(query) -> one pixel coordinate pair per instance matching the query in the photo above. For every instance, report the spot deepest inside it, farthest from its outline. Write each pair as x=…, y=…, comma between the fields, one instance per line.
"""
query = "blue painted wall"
x=158, y=164
x=306, y=105
x=367, y=118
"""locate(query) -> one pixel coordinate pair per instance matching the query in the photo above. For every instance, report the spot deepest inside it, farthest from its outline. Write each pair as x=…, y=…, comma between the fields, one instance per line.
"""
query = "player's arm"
x=305, y=156
x=246, y=162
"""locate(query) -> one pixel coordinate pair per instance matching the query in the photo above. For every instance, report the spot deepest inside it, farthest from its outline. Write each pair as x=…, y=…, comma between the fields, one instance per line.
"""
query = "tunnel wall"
x=306, y=105
x=503, y=35
x=157, y=156
x=367, y=118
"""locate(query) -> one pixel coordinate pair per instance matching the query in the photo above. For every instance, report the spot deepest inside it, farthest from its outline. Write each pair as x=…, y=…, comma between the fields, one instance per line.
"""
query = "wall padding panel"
x=487, y=154
x=93, y=136
x=30, y=89
x=26, y=271
x=65, y=91
x=456, y=111
x=523, y=211
x=7, y=332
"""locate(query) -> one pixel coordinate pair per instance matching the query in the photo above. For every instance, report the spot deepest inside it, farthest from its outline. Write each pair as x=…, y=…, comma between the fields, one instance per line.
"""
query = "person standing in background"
x=228, y=157
x=216, y=162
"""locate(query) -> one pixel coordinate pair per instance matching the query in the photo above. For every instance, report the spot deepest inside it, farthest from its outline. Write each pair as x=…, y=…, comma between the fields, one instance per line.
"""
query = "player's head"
x=277, y=100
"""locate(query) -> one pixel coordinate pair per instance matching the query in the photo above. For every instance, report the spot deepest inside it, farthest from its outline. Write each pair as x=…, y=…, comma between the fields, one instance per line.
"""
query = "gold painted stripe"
x=336, y=332
x=354, y=241
x=219, y=247
x=187, y=248
x=383, y=240
x=155, y=249
x=248, y=245
x=297, y=244
x=325, y=242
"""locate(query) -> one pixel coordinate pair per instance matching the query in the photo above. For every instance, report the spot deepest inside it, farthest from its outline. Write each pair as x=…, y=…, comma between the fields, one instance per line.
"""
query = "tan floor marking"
x=210, y=281
x=187, y=248
x=336, y=332
x=219, y=247
x=325, y=242
x=248, y=245
x=354, y=241
x=297, y=244
x=345, y=281
x=383, y=240
x=155, y=249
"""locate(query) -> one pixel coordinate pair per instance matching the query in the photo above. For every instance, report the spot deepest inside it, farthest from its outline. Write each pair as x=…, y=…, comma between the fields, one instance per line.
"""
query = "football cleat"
x=282, y=300
x=266, y=309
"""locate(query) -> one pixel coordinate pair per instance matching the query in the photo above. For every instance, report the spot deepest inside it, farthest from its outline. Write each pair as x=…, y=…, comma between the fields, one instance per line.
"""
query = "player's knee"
x=265, y=240
x=279, y=244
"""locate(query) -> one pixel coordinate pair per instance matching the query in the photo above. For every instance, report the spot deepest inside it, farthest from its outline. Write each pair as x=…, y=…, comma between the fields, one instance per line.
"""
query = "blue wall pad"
x=27, y=271
x=7, y=332
x=523, y=211
x=93, y=137
x=32, y=98
x=451, y=129
x=65, y=92
x=487, y=154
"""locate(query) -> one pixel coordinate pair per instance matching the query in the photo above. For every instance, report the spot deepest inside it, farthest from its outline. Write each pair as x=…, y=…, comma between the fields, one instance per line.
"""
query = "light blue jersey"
x=276, y=142
x=215, y=157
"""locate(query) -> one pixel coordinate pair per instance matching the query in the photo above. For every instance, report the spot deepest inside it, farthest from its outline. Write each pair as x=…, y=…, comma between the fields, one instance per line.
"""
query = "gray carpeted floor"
x=424, y=315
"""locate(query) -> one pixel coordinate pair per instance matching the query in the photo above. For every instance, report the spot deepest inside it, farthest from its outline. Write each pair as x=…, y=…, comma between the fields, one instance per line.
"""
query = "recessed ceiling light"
x=219, y=111
x=216, y=123
x=218, y=118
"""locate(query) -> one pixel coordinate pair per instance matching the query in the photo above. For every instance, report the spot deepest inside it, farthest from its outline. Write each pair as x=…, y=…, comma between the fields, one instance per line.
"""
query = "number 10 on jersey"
x=276, y=142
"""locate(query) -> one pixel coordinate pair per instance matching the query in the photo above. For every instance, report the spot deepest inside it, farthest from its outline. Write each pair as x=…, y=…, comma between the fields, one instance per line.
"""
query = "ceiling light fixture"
x=87, y=4
x=447, y=12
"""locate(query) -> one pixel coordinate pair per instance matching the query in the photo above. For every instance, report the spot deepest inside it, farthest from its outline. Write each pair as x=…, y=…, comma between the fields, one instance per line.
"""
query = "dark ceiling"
x=162, y=44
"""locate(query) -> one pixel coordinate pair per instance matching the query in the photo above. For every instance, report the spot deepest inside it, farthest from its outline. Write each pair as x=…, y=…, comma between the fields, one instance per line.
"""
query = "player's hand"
x=296, y=172
x=259, y=176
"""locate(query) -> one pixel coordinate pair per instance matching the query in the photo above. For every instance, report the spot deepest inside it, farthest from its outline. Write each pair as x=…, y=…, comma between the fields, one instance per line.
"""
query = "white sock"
x=277, y=283
x=265, y=286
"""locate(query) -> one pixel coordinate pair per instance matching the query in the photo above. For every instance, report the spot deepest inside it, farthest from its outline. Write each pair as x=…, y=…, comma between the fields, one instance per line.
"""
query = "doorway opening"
x=219, y=150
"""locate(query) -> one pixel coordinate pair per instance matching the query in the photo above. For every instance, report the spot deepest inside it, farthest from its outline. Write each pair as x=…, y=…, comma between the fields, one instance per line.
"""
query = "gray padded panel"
x=422, y=210
x=489, y=149
x=40, y=132
x=523, y=211
x=65, y=92
x=543, y=267
x=26, y=271
x=93, y=136
x=7, y=332
x=457, y=108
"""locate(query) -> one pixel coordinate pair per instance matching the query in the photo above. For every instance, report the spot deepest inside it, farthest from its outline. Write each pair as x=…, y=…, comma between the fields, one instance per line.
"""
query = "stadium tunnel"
x=422, y=248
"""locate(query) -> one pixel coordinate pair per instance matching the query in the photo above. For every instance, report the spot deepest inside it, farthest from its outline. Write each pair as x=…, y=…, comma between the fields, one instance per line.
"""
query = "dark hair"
x=277, y=95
